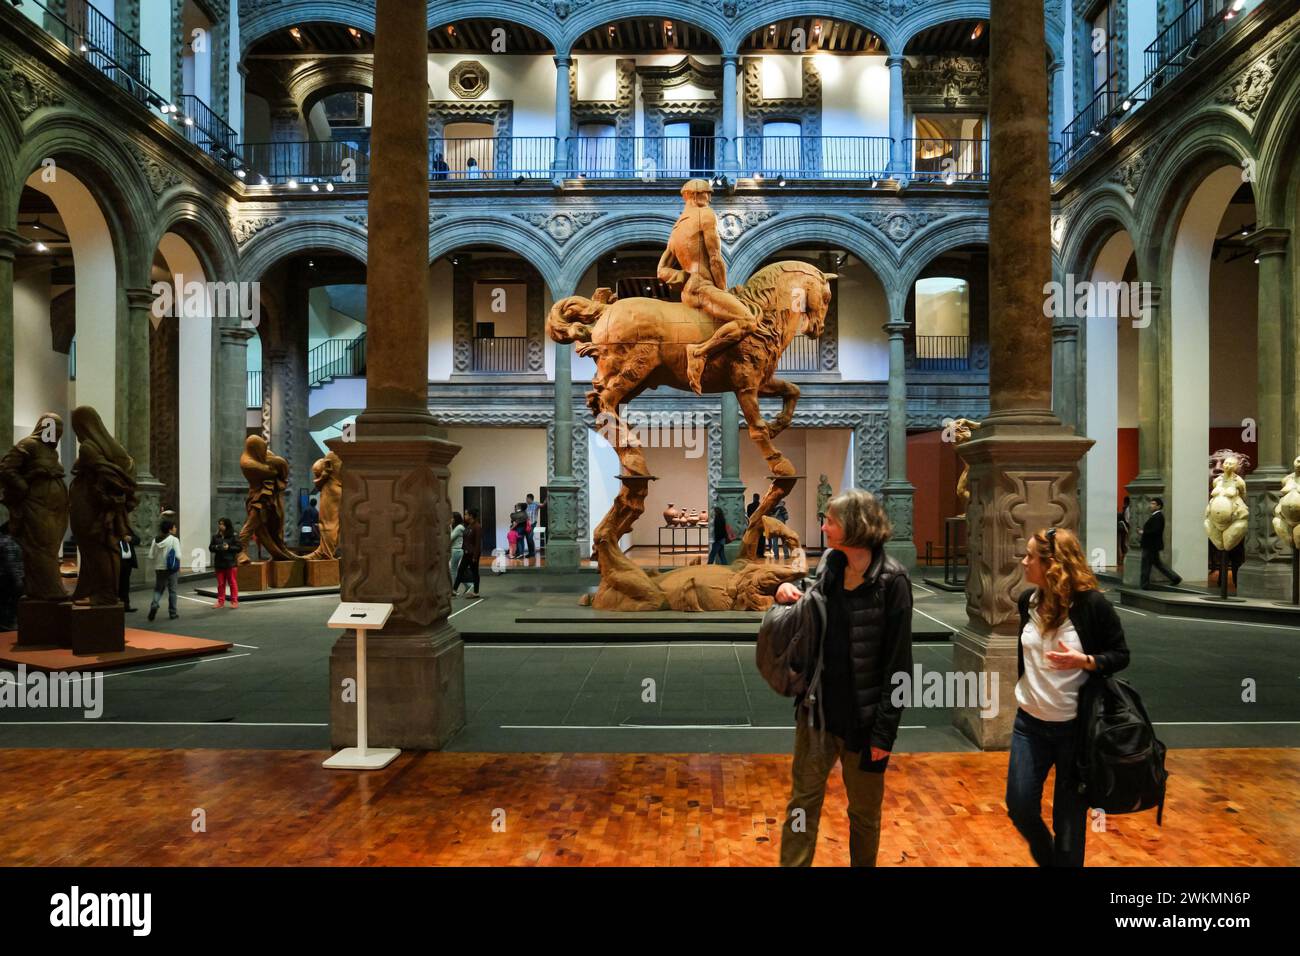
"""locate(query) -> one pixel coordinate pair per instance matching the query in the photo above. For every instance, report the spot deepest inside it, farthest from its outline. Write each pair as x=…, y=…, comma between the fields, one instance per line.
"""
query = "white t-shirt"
x=1043, y=691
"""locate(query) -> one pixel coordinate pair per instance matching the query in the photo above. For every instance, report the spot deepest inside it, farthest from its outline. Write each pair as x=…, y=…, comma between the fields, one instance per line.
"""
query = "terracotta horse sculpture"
x=639, y=343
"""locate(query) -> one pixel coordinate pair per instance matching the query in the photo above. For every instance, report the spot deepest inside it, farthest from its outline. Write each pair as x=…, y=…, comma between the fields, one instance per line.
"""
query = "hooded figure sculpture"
x=101, y=498
x=32, y=478
x=268, y=476
x=327, y=476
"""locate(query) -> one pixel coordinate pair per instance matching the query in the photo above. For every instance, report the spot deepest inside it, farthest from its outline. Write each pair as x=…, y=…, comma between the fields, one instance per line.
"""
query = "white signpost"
x=361, y=618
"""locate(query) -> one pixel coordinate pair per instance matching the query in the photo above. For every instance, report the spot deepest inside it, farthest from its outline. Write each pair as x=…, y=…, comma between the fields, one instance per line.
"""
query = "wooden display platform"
x=141, y=647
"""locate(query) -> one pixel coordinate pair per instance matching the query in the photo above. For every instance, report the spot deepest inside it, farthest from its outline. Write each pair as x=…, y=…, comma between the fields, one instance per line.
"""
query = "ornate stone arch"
x=530, y=242
x=579, y=16
x=1277, y=135
x=539, y=15
x=1090, y=223
x=274, y=239
x=310, y=81
x=874, y=15
x=620, y=229
x=949, y=234
x=260, y=18
x=767, y=239
x=193, y=216
x=11, y=137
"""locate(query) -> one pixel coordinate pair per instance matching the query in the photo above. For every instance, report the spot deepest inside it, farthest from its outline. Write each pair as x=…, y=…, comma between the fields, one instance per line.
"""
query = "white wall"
x=40, y=373
x=603, y=486
x=527, y=80
x=682, y=481
x=440, y=337
x=855, y=94
x=513, y=460
x=194, y=408
x=864, y=310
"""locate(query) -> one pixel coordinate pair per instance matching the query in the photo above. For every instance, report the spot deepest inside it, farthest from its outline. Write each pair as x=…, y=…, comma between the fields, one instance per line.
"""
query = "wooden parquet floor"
x=138, y=807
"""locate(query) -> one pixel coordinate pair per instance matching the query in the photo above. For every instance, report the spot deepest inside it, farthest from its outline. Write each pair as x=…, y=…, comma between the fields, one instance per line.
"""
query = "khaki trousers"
x=814, y=758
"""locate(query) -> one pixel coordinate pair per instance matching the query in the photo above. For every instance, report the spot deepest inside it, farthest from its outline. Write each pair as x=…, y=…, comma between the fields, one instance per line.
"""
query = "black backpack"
x=1121, y=764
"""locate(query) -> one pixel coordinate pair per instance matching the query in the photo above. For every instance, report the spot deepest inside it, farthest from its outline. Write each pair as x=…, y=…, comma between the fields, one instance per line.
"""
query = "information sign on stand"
x=361, y=618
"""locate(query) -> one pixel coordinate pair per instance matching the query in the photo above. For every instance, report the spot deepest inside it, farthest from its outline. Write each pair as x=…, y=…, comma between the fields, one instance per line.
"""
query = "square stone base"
x=254, y=576
x=288, y=574
x=995, y=653
x=323, y=574
x=96, y=629
x=43, y=622
x=416, y=689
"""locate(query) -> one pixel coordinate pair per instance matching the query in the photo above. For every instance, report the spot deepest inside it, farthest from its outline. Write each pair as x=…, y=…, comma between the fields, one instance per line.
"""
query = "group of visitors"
x=523, y=521
x=863, y=597
x=441, y=170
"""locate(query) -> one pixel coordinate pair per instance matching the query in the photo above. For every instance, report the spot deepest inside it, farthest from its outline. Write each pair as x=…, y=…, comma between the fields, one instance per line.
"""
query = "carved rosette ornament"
x=560, y=226
x=733, y=225
x=25, y=92
x=899, y=227
x=245, y=229
x=1130, y=172
x=1247, y=92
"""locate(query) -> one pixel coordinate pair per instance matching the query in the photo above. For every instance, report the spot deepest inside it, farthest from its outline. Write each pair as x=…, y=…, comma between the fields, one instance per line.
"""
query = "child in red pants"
x=225, y=548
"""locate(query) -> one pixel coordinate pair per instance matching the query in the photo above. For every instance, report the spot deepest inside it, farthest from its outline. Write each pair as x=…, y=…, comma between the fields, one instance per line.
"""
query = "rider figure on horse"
x=693, y=261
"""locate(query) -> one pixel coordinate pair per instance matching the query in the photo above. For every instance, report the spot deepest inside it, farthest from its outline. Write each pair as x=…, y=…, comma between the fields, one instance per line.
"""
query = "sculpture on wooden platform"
x=1286, y=515
x=1226, y=515
x=962, y=428
x=32, y=478
x=639, y=343
x=268, y=476
x=327, y=476
x=101, y=499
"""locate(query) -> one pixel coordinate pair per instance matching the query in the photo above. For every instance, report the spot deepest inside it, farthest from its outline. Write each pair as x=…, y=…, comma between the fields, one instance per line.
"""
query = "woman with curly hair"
x=1068, y=632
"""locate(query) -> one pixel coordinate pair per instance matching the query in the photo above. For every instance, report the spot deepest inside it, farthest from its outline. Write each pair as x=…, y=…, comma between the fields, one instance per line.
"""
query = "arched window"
x=942, y=324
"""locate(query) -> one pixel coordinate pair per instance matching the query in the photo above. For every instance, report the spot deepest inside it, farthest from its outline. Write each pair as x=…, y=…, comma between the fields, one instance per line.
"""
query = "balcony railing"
x=499, y=157
x=942, y=353
x=643, y=157
x=801, y=355
x=948, y=160
x=84, y=29
x=815, y=157
x=254, y=398
x=503, y=353
x=298, y=162
x=334, y=358
x=205, y=129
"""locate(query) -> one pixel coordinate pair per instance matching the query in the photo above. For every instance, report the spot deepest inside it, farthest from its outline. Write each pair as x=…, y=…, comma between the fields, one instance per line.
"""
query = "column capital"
x=140, y=299
x=235, y=335
x=896, y=328
x=1065, y=332
x=895, y=60
x=10, y=243
x=563, y=60
x=730, y=59
x=1269, y=241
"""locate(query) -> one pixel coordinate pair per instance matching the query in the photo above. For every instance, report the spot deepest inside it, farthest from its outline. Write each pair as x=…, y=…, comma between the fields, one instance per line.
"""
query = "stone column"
x=898, y=159
x=1065, y=372
x=729, y=492
x=230, y=422
x=729, y=162
x=1150, y=480
x=139, y=418
x=1023, y=461
x=562, y=492
x=396, y=517
x=897, y=490
x=10, y=243
x=1267, y=570
x=560, y=165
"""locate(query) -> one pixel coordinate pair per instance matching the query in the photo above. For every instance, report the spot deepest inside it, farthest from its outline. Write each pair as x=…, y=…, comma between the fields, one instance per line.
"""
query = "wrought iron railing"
x=300, y=162
x=204, y=128
x=948, y=160
x=493, y=157
x=503, y=353
x=942, y=353
x=254, y=397
x=336, y=357
x=815, y=157
x=643, y=157
x=83, y=28
x=801, y=355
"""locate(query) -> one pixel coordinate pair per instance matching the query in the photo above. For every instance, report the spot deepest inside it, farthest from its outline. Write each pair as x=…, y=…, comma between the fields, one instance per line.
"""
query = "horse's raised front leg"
x=789, y=393
x=777, y=463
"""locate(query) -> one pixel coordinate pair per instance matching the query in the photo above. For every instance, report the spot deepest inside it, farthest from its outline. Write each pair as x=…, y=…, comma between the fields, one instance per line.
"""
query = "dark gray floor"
x=547, y=692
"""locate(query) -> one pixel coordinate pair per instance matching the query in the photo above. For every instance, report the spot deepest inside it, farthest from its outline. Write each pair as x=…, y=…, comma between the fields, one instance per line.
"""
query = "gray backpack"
x=788, y=650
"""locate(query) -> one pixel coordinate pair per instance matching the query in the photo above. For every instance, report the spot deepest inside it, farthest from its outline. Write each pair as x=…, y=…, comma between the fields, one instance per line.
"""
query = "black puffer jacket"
x=880, y=642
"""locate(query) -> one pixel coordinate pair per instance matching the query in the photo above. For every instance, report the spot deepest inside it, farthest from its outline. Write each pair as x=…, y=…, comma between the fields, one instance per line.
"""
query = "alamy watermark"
x=946, y=689
x=38, y=689
x=217, y=300
x=687, y=430
x=1084, y=300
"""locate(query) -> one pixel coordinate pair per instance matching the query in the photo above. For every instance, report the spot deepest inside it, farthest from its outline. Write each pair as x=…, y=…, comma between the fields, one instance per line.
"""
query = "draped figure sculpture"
x=32, y=478
x=1226, y=515
x=1286, y=515
x=327, y=476
x=101, y=499
x=268, y=477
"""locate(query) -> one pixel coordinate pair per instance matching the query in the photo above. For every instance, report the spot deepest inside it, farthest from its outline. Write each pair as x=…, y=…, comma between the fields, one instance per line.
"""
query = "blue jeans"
x=718, y=550
x=1037, y=745
x=165, y=579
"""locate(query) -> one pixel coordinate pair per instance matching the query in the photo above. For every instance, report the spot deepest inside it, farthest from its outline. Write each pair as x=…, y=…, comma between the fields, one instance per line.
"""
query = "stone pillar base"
x=562, y=552
x=1265, y=579
x=896, y=497
x=416, y=689
x=993, y=654
x=1266, y=572
x=1140, y=491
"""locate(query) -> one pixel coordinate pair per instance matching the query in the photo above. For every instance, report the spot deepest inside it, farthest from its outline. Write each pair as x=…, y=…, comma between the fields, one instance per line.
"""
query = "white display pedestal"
x=361, y=618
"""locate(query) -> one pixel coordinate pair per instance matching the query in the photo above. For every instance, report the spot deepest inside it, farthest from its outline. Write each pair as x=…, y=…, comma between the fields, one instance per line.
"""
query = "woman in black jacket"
x=225, y=548
x=868, y=638
x=1068, y=632
x=719, y=547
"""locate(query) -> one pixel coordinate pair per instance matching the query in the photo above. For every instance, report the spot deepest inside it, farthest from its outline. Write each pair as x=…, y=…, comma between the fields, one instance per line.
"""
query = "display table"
x=682, y=533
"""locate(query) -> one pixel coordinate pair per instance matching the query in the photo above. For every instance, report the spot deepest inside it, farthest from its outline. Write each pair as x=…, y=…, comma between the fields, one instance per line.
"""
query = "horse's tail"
x=571, y=319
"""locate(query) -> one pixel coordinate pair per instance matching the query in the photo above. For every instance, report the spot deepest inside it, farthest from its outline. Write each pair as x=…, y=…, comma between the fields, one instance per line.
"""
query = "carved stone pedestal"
x=96, y=629
x=254, y=576
x=42, y=622
x=1140, y=492
x=562, y=550
x=1267, y=570
x=394, y=518
x=1023, y=479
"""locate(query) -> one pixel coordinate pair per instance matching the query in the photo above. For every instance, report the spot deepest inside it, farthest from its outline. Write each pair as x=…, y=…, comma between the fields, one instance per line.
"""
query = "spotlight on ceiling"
x=42, y=247
x=315, y=188
x=329, y=187
x=292, y=184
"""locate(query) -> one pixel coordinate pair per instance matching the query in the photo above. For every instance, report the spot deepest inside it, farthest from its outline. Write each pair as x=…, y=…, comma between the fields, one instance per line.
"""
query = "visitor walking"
x=165, y=553
x=440, y=166
x=781, y=514
x=1124, y=526
x=533, y=508
x=309, y=525
x=457, y=546
x=1153, y=542
x=868, y=637
x=719, y=547
x=225, y=548
x=473, y=541
x=1068, y=631
x=130, y=561
x=11, y=579
x=749, y=513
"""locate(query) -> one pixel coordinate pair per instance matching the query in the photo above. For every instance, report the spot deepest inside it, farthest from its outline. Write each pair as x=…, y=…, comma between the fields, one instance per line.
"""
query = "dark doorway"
x=483, y=500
